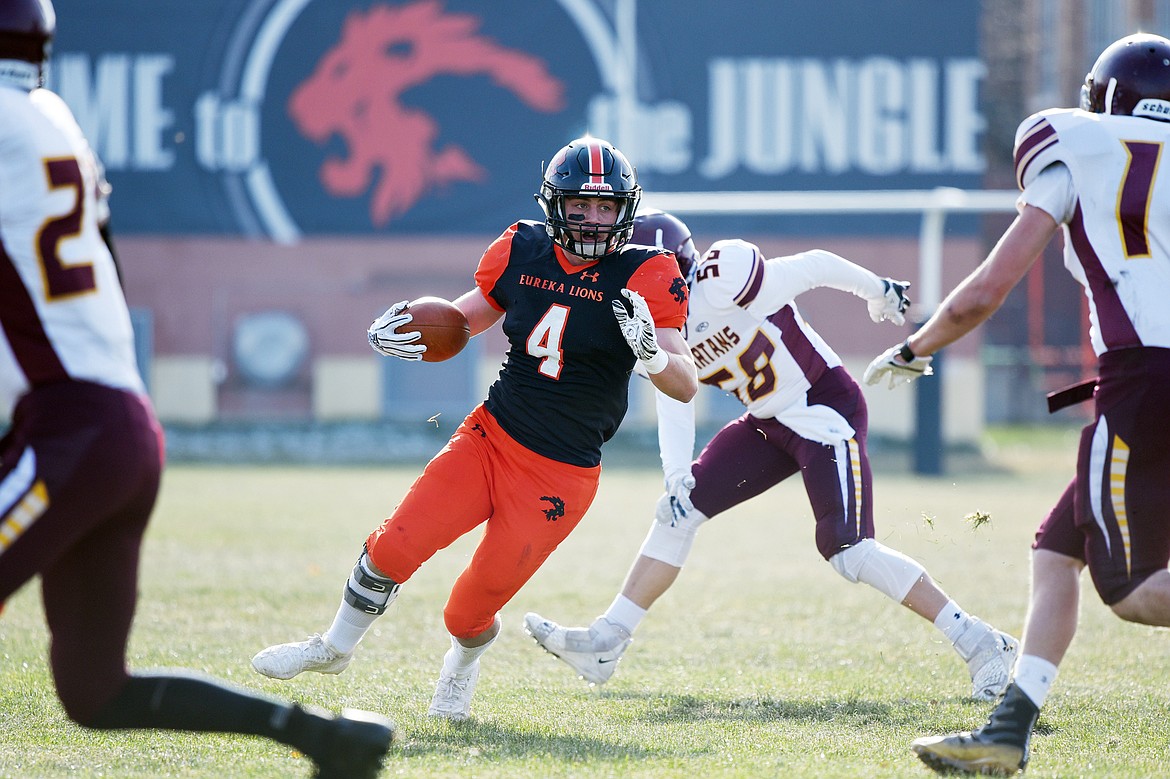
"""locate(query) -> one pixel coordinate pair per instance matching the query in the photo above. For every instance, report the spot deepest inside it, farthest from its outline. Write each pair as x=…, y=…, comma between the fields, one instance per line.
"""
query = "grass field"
x=760, y=662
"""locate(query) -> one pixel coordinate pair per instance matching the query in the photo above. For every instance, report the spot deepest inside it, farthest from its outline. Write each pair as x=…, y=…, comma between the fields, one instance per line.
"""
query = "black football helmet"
x=658, y=228
x=589, y=167
x=1130, y=71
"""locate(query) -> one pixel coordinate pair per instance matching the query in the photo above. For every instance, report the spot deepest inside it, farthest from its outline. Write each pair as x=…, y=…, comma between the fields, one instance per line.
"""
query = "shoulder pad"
x=1038, y=141
x=732, y=270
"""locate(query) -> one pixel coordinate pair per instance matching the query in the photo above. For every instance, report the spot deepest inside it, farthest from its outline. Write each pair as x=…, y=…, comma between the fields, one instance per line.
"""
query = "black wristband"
x=906, y=353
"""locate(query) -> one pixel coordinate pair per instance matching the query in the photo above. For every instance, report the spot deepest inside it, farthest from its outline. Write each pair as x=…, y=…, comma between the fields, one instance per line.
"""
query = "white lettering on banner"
x=925, y=156
x=657, y=136
x=101, y=102
x=227, y=134
x=151, y=120
x=877, y=116
x=966, y=123
x=118, y=101
x=881, y=135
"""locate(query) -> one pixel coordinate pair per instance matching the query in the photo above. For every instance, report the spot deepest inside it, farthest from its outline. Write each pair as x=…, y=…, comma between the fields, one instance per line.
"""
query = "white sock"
x=351, y=623
x=348, y=628
x=460, y=659
x=952, y=621
x=1034, y=676
x=624, y=613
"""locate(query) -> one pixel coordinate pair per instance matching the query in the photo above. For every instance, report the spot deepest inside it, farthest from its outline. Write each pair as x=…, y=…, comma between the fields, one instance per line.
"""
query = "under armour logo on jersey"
x=587, y=276
x=478, y=428
x=678, y=290
x=558, y=508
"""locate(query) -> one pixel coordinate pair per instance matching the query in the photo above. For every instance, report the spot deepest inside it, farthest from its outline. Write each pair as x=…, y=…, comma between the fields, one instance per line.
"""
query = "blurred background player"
x=805, y=414
x=1095, y=171
x=580, y=308
x=80, y=464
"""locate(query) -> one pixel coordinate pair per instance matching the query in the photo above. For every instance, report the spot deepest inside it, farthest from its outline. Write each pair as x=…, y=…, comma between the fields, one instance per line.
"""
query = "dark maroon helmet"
x=589, y=167
x=1131, y=78
x=26, y=30
x=658, y=228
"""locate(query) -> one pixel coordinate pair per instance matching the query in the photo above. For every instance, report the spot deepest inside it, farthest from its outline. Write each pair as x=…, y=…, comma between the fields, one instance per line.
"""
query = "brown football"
x=444, y=329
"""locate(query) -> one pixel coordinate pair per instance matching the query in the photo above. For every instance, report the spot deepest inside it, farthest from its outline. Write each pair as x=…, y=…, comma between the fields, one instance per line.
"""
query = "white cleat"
x=990, y=656
x=284, y=661
x=452, y=699
x=592, y=652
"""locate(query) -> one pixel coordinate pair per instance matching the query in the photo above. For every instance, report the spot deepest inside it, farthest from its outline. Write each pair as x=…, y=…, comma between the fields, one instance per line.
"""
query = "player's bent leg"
x=593, y=652
x=988, y=653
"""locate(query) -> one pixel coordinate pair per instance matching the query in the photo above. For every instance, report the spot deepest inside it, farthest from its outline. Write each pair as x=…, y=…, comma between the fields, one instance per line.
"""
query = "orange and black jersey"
x=564, y=386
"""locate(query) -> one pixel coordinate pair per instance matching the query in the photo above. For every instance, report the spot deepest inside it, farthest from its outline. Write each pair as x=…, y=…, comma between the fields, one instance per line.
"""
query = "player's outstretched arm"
x=971, y=303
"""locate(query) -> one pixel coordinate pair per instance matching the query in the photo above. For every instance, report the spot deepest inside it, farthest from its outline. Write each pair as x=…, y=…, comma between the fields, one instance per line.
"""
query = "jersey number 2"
x=63, y=280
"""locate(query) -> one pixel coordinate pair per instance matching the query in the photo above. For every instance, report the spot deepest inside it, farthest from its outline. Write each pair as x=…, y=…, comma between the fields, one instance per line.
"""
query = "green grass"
x=761, y=661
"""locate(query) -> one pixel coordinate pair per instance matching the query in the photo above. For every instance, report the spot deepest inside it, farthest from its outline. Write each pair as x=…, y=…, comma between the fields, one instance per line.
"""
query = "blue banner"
x=284, y=118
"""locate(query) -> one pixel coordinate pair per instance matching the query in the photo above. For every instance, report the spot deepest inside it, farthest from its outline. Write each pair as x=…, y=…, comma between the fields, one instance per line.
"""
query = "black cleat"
x=353, y=746
x=998, y=748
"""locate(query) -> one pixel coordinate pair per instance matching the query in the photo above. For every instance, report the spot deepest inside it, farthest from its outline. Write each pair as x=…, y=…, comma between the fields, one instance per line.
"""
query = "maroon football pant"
x=79, y=472
x=1115, y=515
x=750, y=455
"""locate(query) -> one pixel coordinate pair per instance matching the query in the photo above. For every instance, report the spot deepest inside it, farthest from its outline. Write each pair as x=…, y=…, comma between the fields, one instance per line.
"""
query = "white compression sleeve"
x=676, y=433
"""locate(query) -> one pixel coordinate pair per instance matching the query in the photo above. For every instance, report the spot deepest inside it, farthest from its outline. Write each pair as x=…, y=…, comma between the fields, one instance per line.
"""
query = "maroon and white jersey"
x=62, y=312
x=1101, y=176
x=748, y=338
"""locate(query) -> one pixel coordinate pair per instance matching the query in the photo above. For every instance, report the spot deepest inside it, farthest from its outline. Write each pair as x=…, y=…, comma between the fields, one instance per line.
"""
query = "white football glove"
x=385, y=339
x=678, y=487
x=638, y=330
x=890, y=363
x=892, y=304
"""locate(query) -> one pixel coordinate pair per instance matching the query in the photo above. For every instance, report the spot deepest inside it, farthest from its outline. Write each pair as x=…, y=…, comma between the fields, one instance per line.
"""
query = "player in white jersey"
x=81, y=455
x=805, y=414
x=1096, y=172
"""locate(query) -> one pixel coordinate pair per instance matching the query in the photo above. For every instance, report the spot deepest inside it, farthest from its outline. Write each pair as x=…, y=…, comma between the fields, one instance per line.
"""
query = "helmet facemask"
x=596, y=240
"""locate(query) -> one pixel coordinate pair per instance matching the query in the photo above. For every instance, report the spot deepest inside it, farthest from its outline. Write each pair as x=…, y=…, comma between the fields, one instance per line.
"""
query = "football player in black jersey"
x=580, y=308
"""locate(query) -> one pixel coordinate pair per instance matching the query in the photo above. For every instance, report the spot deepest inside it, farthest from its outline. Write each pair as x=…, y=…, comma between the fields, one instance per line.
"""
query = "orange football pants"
x=527, y=503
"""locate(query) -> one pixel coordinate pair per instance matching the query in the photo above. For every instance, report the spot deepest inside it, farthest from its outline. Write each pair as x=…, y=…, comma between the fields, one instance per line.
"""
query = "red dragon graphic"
x=356, y=89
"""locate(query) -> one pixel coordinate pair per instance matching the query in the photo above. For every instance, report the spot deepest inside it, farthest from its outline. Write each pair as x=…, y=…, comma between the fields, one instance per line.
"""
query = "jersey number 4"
x=544, y=342
x=63, y=280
